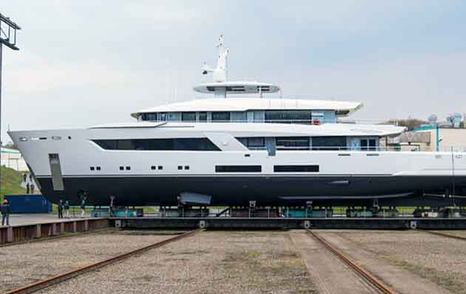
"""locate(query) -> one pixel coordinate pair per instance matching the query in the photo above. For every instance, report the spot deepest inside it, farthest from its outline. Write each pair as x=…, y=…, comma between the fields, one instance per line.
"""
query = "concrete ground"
x=30, y=262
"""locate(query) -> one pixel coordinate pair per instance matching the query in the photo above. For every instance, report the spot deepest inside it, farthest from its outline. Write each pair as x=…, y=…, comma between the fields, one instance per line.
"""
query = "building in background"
x=449, y=136
x=12, y=158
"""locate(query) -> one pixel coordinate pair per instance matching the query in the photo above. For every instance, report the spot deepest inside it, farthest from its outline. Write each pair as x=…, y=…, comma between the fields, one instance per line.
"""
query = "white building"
x=12, y=158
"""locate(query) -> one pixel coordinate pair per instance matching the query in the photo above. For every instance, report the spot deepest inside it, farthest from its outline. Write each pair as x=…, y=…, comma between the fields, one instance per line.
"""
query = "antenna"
x=8, y=38
x=219, y=73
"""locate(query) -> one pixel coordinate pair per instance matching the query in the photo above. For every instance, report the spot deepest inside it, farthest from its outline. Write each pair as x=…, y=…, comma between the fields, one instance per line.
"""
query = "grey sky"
x=90, y=62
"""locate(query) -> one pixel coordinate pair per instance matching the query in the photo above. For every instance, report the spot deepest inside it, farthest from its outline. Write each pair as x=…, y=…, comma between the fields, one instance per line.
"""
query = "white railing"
x=411, y=148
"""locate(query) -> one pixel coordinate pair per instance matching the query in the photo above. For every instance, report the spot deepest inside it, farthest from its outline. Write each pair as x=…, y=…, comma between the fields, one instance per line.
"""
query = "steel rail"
x=54, y=280
x=363, y=273
x=446, y=235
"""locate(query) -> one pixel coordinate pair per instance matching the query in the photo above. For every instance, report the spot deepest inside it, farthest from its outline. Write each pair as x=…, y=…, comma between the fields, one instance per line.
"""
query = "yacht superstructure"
x=231, y=150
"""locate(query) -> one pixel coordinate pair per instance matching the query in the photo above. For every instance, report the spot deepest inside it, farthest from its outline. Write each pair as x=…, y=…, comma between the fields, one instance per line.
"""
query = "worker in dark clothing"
x=60, y=209
x=32, y=188
x=27, y=188
x=5, y=210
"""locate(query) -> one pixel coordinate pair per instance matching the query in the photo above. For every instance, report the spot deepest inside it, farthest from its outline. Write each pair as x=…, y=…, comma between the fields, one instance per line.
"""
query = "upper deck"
x=251, y=110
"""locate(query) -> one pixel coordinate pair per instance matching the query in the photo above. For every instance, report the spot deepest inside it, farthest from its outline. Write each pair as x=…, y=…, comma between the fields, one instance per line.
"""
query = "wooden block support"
x=62, y=228
x=38, y=233
x=86, y=225
x=75, y=227
x=54, y=229
x=9, y=234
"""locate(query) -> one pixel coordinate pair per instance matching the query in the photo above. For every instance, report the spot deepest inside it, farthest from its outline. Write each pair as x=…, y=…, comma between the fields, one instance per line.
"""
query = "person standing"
x=60, y=208
x=32, y=188
x=27, y=188
x=5, y=210
x=83, y=203
x=66, y=206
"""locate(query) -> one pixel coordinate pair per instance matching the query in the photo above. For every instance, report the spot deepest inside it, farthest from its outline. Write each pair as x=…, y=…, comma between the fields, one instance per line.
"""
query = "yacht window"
x=329, y=143
x=159, y=167
x=97, y=168
x=292, y=143
x=163, y=116
x=221, y=116
x=128, y=168
x=122, y=167
x=368, y=144
x=238, y=168
x=194, y=144
x=188, y=116
x=152, y=167
x=288, y=116
x=202, y=116
x=149, y=116
x=253, y=143
x=180, y=167
x=295, y=168
x=91, y=168
x=186, y=167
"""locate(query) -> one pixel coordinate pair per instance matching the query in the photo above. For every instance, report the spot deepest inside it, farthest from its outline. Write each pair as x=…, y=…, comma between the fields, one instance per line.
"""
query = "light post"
x=8, y=38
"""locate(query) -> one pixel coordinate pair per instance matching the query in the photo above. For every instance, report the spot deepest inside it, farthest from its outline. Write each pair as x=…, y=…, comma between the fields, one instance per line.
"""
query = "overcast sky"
x=90, y=62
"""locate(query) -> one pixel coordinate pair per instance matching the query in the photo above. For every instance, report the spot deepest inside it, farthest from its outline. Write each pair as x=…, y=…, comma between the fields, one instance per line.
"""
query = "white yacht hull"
x=341, y=175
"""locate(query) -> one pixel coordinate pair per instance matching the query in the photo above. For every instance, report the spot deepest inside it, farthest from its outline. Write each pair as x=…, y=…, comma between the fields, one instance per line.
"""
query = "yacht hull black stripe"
x=236, y=190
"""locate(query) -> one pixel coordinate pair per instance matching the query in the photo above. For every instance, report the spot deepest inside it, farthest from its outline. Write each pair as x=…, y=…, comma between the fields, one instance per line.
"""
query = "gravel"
x=27, y=263
x=208, y=262
x=439, y=259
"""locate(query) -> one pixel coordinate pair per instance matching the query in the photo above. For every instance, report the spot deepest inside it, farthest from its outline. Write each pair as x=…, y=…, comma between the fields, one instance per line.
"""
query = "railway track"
x=54, y=280
x=373, y=281
x=446, y=235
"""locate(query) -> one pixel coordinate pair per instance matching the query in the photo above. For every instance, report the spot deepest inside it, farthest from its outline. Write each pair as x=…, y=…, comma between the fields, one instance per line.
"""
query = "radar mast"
x=220, y=86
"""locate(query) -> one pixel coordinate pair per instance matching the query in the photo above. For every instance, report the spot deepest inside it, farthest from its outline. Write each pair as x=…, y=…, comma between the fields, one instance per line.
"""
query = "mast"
x=220, y=86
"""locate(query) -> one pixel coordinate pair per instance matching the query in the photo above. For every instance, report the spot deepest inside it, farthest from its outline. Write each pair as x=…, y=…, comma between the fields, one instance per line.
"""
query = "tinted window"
x=292, y=143
x=295, y=168
x=329, y=143
x=198, y=144
x=253, y=143
x=188, y=116
x=149, y=116
x=202, y=116
x=288, y=116
x=238, y=168
x=220, y=116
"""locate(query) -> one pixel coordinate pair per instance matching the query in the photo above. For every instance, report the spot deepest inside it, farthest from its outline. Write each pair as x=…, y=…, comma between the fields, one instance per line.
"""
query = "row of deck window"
x=267, y=116
x=236, y=168
x=252, y=143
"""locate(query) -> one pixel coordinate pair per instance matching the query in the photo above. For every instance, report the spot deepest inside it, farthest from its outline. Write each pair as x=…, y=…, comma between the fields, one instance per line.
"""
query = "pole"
x=1, y=144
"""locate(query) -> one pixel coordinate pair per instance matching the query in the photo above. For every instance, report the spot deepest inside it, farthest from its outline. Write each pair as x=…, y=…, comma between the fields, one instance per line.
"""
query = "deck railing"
x=410, y=148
